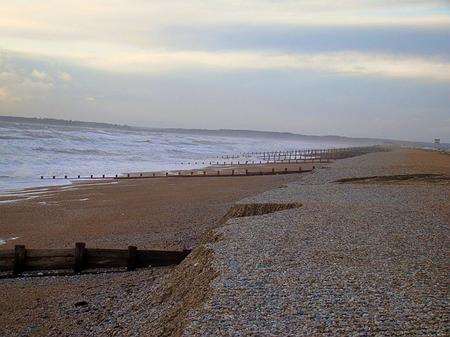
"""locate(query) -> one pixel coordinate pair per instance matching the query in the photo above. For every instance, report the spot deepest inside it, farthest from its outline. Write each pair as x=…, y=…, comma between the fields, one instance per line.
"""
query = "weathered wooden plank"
x=81, y=258
x=50, y=253
x=7, y=253
x=46, y=263
x=160, y=258
x=6, y=263
x=104, y=262
x=107, y=253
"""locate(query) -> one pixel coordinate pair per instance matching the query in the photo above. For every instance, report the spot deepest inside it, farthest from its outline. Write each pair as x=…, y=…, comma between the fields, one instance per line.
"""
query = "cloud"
x=48, y=15
x=4, y=95
x=66, y=77
x=40, y=75
x=345, y=63
x=19, y=85
x=118, y=37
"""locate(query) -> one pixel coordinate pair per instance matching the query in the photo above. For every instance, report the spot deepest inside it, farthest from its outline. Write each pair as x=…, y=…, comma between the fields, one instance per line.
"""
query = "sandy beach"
x=149, y=213
x=364, y=257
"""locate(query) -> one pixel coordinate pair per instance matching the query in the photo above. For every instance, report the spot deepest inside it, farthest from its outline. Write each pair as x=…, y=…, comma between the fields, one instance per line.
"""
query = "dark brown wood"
x=37, y=253
x=107, y=253
x=80, y=257
x=7, y=253
x=105, y=262
x=20, y=254
x=6, y=263
x=160, y=258
x=132, y=258
x=49, y=262
x=20, y=260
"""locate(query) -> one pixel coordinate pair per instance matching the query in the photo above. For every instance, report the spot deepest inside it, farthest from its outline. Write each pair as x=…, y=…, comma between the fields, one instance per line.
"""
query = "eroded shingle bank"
x=355, y=259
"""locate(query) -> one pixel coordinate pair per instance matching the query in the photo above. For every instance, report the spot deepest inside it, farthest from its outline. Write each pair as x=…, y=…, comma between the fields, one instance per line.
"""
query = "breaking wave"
x=29, y=150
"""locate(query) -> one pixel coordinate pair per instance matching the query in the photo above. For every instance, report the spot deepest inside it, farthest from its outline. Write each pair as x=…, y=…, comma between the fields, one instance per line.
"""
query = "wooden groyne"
x=306, y=154
x=80, y=258
x=275, y=158
x=193, y=174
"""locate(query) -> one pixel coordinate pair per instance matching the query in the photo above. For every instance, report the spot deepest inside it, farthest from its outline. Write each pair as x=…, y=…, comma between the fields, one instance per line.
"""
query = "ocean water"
x=29, y=150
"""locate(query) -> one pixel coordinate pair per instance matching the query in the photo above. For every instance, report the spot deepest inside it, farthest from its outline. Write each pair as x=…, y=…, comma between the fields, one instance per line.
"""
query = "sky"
x=361, y=68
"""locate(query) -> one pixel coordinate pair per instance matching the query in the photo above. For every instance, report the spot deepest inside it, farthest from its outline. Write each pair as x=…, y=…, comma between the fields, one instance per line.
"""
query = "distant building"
x=437, y=142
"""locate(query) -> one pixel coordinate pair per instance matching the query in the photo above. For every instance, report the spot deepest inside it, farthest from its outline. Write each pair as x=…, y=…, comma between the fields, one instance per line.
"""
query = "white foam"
x=10, y=201
x=29, y=150
x=3, y=241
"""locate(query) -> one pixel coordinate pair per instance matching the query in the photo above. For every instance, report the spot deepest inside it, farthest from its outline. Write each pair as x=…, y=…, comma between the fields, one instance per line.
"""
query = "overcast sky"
x=378, y=68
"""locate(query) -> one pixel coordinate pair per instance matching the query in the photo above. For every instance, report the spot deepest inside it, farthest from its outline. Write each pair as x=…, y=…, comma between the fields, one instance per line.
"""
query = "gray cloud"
x=355, y=67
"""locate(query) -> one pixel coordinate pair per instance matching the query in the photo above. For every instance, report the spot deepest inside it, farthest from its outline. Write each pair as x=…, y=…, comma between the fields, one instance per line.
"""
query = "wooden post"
x=20, y=254
x=273, y=171
x=132, y=258
x=232, y=172
x=80, y=257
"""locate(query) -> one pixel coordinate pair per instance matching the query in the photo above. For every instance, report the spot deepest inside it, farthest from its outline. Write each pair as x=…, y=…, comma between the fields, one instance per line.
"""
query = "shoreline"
x=150, y=213
x=375, y=247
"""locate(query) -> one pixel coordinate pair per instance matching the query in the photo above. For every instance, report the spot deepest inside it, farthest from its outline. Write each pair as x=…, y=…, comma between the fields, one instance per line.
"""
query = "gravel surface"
x=360, y=259
x=105, y=304
x=356, y=259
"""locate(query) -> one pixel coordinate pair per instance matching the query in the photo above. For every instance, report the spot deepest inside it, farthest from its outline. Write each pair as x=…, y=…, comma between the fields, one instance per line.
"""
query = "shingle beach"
x=356, y=259
x=350, y=257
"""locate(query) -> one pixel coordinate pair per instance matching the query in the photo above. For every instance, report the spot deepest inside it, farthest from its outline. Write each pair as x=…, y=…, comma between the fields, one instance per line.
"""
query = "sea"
x=31, y=150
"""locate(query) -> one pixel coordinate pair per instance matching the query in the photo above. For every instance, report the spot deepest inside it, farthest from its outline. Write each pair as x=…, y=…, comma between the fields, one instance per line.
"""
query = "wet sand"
x=165, y=213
